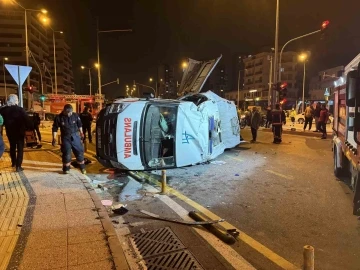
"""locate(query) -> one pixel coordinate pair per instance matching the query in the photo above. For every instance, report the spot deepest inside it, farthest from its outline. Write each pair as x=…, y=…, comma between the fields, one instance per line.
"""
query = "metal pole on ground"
x=308, y=258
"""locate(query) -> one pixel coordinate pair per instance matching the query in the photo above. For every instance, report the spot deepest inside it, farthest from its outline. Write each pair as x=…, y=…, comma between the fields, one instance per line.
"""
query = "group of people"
x=321, y=115
x=276, y=118
x=16, y=122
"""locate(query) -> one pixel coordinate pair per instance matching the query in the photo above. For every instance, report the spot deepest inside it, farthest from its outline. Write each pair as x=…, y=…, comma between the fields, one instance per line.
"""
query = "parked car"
x=300, y=118
x=151, y=133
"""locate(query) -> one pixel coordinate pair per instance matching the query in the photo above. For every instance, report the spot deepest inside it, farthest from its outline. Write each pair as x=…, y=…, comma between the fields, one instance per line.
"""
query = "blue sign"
x=19, y=73
x=186, y=137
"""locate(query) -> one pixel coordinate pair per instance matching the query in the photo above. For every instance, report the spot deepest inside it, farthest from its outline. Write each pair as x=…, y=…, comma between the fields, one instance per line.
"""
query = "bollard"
x=59, y=139
x=85, y=146
x=163, y=181
x=308, y=258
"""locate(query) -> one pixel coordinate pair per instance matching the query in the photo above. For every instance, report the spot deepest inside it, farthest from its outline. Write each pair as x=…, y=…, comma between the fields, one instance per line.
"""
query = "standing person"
x=2, y=145
x=278, y=119
x=292, y=116
x=70, y=125
x=268, y=117
x=86, y=120
x=317, y=116
x=36, y=121
x=308, y=114
x=323, y=119
x=16, y=122
x=255, y=123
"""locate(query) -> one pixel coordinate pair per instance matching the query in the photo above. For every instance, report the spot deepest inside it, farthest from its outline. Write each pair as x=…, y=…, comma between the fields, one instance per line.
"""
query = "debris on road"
x=218, y=162
x=119, y=209
x=106, y=202
x=179, y=221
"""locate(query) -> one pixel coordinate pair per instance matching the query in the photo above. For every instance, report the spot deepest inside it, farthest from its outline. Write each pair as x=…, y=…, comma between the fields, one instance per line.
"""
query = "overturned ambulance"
x=149, y=134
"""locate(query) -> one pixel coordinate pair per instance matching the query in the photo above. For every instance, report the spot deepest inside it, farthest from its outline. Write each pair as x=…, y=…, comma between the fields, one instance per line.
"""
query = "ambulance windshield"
x=159, y=135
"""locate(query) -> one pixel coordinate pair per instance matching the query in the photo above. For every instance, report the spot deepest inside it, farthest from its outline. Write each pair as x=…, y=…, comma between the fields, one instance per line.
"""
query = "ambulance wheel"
x=338, y=171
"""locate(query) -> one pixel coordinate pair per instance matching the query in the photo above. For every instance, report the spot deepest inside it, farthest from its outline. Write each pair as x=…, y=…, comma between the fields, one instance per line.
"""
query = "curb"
x=116, y=249
x=300, y=133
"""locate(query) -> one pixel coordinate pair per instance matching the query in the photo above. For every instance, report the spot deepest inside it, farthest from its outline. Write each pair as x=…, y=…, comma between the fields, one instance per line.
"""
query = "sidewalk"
x=53, y=221
x=299, y=131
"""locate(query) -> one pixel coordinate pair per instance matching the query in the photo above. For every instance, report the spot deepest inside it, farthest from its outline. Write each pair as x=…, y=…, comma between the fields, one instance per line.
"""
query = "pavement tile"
x=85, y=234
x=102, y=265
x=79, y=195
x=89, y=252
x=47, y=238
x=56, y=220
x=80, y=204
x=46, y=258
x=83, y=217
x=44, y=209
x=50, y=199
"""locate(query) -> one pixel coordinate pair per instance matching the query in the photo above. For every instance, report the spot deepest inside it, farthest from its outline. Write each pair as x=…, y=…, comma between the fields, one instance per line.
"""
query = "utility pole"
x=274, y=96
x=270, y=80
x=238, y=94
x=98, y=57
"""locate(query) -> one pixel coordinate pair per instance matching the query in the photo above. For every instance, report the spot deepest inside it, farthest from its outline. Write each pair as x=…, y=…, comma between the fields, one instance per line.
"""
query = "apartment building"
x=12, y=48
x=257, y=77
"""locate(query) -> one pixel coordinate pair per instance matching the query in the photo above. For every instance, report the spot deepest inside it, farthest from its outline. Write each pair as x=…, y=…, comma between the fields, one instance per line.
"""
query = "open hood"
x=195, y=76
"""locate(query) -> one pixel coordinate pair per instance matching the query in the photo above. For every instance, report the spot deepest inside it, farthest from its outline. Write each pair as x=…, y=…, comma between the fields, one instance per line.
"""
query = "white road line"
x=226, y=251
x=290, y=177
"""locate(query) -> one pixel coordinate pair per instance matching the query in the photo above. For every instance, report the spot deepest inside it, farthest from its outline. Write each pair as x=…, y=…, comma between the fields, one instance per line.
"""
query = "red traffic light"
x=283, y=85
x=324, y=25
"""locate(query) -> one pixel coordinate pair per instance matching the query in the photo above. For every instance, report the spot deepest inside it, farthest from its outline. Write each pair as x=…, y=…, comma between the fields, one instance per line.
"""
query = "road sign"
x=19, y=74
x=327, y=93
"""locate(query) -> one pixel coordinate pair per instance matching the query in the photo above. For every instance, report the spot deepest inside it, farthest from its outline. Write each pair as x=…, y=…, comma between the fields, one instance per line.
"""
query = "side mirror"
x=351, y=87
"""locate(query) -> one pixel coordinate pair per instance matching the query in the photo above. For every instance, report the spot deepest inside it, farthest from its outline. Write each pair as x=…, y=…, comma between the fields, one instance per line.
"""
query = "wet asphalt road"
x=284, y=196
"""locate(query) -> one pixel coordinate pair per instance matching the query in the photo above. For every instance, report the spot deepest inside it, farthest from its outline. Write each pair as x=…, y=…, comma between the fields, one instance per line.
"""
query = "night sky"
x=170, y=31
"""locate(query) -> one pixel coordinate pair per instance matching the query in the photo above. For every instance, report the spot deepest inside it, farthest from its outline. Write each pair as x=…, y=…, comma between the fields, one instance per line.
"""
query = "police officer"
x=70, y=125
x=278, y=119
x=86, y=120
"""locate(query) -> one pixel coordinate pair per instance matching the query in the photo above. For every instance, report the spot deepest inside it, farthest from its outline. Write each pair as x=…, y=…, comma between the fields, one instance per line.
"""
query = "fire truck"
x=346, y=131
x=54, y=103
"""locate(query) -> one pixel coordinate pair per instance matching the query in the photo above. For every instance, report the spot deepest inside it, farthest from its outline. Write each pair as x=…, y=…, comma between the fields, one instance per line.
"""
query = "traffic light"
x=30, y=89
x=282, y=92
x=42, y=98
x=325, y=25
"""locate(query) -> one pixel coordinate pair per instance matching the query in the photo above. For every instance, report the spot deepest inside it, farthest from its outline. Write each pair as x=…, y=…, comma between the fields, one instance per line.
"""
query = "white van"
x=149, y=134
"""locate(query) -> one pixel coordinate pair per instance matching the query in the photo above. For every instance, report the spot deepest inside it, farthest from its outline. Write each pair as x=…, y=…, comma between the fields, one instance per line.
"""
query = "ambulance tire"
x=338, y=171
x=356, y=205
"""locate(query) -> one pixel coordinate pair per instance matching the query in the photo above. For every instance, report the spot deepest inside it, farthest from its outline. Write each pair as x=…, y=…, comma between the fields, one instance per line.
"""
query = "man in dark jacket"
x=36, y=121
x=16, y=122
x=278, y=119
x=86, y=120
x=268, y=117
x=255, y=123
x=323, y=119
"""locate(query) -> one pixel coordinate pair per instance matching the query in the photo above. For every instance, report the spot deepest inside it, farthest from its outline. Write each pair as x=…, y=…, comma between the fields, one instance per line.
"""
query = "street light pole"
x=98, y=57
x=303, y=92
x=56, y=85
x=276, y=52
x=90, y=80
x=282, y=49
x=5, y=59
x=238, y=94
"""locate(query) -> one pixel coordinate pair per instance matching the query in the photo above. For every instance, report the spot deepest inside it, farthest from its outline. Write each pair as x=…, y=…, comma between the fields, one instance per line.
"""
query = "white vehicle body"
x=300, y=118
x=147, y=134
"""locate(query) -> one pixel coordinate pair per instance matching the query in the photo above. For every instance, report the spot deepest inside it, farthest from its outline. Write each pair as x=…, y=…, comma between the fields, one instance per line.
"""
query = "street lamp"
x=150, y=80
x=302, y=58
x=43, y=11
x=323, y=27
x=83, y=67
x=5, y=59
x=98, y=49
x=184, y=65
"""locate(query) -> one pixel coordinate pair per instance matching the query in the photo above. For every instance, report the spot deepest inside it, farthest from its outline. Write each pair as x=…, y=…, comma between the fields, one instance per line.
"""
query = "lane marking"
x=226, y=251
x=290, y=177
x=266, y=252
